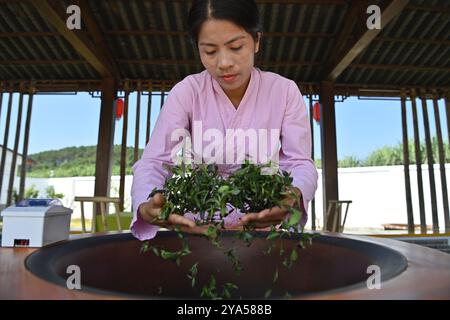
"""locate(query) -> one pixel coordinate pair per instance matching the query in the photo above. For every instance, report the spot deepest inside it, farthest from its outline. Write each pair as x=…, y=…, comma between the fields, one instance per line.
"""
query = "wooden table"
x=427, y=276
x=16, y=282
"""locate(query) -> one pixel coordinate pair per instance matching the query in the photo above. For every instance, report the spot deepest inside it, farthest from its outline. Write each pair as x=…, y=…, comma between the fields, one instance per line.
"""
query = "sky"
x=60, y=121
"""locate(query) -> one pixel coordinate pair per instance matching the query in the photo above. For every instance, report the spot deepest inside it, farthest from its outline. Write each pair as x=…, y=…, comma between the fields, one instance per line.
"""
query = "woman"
x=231, y=94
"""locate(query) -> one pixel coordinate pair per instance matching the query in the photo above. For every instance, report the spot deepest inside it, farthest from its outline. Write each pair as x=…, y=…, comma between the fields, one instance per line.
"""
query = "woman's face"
x=228, y=53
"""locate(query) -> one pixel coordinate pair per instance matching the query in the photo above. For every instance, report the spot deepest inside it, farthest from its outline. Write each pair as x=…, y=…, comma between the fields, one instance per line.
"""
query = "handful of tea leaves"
x=200, y=189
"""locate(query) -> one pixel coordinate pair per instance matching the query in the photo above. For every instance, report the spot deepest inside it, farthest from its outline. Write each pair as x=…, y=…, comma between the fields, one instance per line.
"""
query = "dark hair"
x=243, y=13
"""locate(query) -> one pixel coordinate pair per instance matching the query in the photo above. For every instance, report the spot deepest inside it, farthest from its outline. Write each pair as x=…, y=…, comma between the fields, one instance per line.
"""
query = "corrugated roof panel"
x=442, y=80
x=17, y=19
x=129, y=23
x=283, y=25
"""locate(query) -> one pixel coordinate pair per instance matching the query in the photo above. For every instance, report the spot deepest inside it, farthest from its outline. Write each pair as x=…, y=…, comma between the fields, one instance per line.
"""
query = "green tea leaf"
x=169, y=255
x=275, y=276
x=294, y=218
x=273, y=235
x=223, y=189
x=145, y=247
x=294, y=255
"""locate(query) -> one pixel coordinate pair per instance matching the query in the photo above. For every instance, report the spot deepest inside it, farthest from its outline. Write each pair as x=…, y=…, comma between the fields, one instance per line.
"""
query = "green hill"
x=74, y=162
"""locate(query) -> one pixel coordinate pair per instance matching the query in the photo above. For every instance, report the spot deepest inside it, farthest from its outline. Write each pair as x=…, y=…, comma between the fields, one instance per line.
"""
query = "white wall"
x=378, y=194
x=6, y=174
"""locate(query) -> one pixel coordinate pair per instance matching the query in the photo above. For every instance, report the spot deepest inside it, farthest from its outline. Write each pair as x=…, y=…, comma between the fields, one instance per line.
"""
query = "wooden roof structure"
x=305, y=40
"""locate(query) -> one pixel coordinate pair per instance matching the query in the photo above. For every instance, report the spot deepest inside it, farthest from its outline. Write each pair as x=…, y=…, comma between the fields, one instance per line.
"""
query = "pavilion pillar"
x=441, y=155
x=409, y=208
x=311, y=124
x=430, y=162
x=329, y=150
x=163, y=94
x=26, y=139
x=138, y=120
x=5, y=140
x=105, y=147
x=1, y=97
x=447, y=114
x=418, y=155
x=123, y=150
x=12, y=173
x=149, y=112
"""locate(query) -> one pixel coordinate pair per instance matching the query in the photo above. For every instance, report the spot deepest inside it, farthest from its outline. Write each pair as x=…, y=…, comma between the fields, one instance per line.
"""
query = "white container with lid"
x=35, y=223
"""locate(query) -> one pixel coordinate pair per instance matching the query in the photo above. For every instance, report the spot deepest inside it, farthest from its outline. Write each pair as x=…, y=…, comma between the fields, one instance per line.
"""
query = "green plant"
x=200, y=189
x=51, y=193
x=15, y=195
x=31, y=192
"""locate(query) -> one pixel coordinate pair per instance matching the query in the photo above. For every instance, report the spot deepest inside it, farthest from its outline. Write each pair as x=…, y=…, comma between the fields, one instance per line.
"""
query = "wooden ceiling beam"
x=94, y=85
x=40, y=62
x=29, y=34
x=198, y=62
x=153, y=32
x=442, y=42
x=338, y=65
x=150, y=32
x=266, y=34
x=395, y=67
x=79, y=41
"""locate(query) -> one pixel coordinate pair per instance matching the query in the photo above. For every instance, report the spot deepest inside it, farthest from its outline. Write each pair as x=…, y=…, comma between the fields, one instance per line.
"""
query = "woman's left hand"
x=272, y=216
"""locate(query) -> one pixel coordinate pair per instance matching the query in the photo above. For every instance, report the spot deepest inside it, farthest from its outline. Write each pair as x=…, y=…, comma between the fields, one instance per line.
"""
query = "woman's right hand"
x=150, y=212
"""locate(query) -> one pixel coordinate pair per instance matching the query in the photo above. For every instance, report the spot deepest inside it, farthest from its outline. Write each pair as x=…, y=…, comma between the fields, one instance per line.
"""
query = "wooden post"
x=105, y=148
x=447, y=113
x=441, y=153
x=329, y=150
x=5, y=140
x=311, y=124
x=1, y=98
x=162, y=95
x=149, y=112
x=430, y=161
x=409, y=209
x=138, y=119
x=123, y=152
x=23, y=173
x=12, y=173
x=418, y=155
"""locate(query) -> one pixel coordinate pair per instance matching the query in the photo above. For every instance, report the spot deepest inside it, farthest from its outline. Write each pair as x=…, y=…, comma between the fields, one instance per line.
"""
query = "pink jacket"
x=272, y=107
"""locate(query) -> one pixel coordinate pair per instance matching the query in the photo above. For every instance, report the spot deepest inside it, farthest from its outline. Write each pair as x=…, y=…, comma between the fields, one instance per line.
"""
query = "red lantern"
x=119, y=108
x=316, y=112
